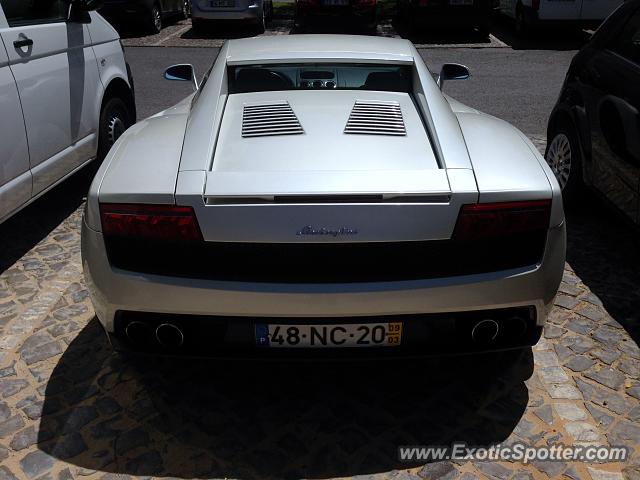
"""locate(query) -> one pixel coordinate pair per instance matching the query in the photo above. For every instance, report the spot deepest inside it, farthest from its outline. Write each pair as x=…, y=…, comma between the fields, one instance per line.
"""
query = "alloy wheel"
x=559, y=158
x=157, y=19
x=521, y=25
x=115, y=127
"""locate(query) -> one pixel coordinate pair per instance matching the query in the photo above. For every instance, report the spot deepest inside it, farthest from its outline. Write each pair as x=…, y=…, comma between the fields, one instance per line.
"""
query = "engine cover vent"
x=376, y=118
x=260, y=120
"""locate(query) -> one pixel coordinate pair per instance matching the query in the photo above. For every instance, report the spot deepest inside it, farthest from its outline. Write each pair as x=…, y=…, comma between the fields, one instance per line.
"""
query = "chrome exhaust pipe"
x=138, y=332
x=169, y=336
x=485, y=331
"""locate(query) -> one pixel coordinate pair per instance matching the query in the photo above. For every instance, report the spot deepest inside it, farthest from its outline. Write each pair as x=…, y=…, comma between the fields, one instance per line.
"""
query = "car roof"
x=317, y=48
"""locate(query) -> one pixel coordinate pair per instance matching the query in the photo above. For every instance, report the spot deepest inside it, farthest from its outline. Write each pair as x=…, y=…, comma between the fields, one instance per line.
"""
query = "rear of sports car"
x=329, y=221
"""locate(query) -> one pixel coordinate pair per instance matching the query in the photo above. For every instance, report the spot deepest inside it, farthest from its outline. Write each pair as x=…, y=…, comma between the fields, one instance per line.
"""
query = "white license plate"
x=335, y=3
x=222, y=3
x=329, y=336
x=460, y=2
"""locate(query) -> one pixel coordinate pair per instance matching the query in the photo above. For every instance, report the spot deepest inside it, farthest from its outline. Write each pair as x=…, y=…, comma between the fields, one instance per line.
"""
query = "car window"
x=628, y=42
x=261, y=78
x=31, y=12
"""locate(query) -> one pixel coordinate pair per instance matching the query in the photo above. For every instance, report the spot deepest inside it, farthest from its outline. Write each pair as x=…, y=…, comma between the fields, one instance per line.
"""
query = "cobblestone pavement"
x=69, y=408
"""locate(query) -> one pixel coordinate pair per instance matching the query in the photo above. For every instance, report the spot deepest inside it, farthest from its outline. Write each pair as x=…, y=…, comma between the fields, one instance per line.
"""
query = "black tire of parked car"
x=115, y=119
x=198, y=25
x=261, y=26
x=574, y=186
x=408, y=18
x=521, y=26
x=484, y=28
x=186, y=9
x=154, y=19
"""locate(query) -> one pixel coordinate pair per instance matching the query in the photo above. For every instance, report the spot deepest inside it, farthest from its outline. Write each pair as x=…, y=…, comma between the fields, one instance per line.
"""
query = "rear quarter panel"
x=142, y=166
x=507, y=165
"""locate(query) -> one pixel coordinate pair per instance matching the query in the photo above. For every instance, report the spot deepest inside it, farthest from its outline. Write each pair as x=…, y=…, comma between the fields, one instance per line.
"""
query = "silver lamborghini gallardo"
x=320, y=195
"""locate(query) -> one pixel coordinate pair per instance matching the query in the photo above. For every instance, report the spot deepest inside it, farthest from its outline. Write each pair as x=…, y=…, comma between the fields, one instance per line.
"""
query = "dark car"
x=440, y=14
x=359, y=13
x=593, y=136
x=147, y=15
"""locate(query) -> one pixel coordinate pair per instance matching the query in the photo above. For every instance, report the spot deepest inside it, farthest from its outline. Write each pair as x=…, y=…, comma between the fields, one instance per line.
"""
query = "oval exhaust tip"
x=485, y=331
x=138, y=332
x=169, y=336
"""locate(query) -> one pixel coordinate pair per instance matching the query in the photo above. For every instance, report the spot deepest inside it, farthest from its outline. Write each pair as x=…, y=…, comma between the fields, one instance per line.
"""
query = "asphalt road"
x=519, y=86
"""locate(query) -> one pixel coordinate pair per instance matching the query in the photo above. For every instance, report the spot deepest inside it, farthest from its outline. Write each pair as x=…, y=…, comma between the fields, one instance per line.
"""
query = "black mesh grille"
x=325, y=262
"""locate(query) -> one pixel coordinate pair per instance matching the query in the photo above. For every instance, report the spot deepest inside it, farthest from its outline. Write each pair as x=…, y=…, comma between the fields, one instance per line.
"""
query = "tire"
x=522, y=28
x=261, y=27
x=154, y=20
x=115, y=119
x=484, y=28
x=197, y=25
x=186, y=9
x=401, y=12
x=564, y=157
x=410, y=20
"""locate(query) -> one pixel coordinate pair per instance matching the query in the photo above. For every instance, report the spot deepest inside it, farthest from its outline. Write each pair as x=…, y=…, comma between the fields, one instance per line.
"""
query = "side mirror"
x=79, y=10
x=452, y=71
x=182, y=73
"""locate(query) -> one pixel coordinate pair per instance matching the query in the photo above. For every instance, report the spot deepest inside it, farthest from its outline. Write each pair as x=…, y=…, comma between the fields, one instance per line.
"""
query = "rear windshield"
x=264, y=78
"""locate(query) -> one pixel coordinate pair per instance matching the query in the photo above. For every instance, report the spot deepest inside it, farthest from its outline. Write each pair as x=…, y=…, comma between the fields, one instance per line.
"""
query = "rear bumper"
x=539, y=19
x=250, y=14
x=240, y=303
x=318, y=14
x=423, y=335
x=442, y=15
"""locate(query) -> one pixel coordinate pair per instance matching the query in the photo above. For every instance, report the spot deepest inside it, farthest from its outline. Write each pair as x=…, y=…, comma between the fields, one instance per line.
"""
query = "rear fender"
x=142, y=166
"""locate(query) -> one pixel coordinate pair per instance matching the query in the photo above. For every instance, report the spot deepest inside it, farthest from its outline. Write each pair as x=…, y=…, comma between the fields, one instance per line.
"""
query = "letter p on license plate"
x=329, y=336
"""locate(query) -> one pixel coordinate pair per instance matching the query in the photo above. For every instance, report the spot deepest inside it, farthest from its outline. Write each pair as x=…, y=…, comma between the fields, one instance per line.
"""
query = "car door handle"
x=23, y=42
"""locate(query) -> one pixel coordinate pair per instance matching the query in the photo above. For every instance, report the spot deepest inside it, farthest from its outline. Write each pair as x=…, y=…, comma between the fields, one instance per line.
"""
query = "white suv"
x=66, y=94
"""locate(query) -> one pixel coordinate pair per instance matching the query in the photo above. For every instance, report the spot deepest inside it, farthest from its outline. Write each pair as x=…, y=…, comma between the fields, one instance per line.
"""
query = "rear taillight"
x=154, y=222
x=484, y=221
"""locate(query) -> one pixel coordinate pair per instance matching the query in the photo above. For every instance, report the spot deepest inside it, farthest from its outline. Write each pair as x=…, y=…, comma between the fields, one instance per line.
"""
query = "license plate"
x=460, y=2
x=335, y=3
x=329, y=336
x=222, y=3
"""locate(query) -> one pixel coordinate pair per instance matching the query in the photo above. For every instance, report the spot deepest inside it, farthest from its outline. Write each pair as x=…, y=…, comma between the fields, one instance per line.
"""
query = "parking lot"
x=70, y=408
